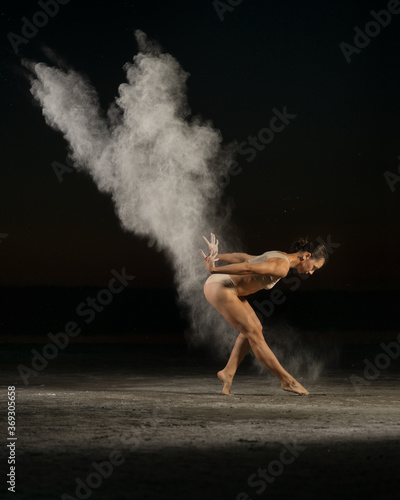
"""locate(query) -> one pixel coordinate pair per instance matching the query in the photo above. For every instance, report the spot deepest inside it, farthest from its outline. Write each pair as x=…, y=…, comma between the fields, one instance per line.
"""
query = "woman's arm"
x=234, y=258
x=274, y=268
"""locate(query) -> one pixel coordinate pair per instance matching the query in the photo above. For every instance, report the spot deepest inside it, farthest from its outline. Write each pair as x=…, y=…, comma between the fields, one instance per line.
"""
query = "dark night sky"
x=322, y=175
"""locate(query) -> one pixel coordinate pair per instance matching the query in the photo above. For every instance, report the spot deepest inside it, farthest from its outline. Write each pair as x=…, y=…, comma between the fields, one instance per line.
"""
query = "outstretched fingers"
x=212, y=246
x=206, y=240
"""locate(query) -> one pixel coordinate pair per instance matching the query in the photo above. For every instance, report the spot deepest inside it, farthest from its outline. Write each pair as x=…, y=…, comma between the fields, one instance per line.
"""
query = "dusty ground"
x=171, y=435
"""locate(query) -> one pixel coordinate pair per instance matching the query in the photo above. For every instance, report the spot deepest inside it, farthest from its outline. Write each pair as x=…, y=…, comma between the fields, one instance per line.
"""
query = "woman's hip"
x=223, y=279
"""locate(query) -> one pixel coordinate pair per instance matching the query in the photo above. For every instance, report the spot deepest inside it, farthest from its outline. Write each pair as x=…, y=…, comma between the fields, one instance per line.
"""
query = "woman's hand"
x=211, y=258
x=212, y=247
x=209, y=262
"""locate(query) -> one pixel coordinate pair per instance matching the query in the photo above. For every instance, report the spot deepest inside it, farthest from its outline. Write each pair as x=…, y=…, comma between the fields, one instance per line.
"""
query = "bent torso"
x=252, y=283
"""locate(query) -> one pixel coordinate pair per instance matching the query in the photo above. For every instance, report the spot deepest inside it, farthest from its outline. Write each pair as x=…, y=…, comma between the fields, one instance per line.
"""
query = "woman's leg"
x=226, y=302
x=239, y=351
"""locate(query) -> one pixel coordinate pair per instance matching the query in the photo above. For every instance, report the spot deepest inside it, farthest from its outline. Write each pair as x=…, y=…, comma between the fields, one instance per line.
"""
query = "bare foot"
x=294, y=386
x=226, y=382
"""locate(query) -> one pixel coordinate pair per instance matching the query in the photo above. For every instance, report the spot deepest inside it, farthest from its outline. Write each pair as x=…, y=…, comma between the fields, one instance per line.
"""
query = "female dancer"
x=245, y=274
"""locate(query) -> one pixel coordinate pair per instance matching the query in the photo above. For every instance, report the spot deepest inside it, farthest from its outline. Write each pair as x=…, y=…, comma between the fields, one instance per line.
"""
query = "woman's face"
x=308, y=265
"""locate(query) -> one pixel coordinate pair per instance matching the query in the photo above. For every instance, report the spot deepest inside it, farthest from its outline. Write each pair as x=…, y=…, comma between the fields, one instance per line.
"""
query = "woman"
x=245, y=274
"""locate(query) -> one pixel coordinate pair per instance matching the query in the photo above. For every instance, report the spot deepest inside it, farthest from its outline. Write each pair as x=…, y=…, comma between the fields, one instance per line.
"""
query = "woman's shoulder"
x=280, y=255
x=270, y=254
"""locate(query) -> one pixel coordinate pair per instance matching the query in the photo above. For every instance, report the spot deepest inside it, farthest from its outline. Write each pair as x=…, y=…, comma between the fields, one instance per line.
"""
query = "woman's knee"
x=253, y=334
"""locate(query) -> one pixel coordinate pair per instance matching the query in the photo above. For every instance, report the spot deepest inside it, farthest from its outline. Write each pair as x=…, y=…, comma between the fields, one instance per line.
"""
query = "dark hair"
x=317, y=250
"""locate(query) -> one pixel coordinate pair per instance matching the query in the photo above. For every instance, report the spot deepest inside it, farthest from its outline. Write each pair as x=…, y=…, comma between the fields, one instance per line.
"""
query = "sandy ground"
x=108, y=429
